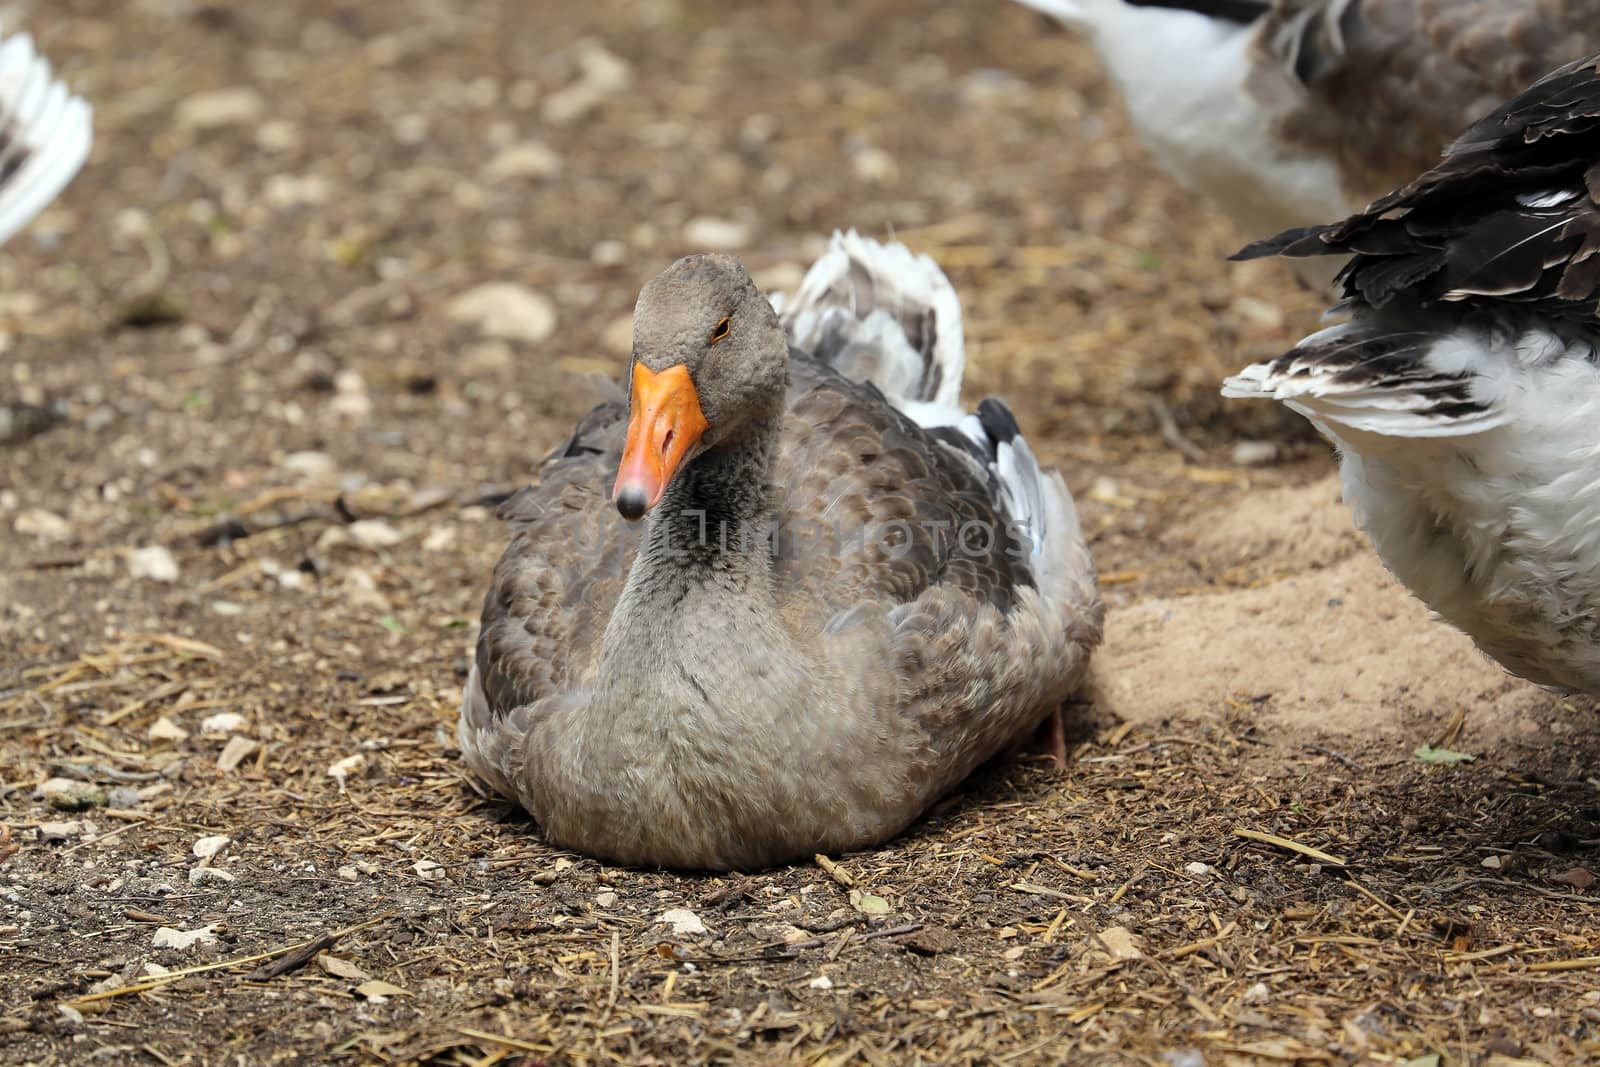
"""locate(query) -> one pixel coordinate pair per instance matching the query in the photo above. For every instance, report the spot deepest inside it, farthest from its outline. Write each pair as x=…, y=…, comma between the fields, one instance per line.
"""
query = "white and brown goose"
x=1290, y=112
x=824, y=614
x=1464, y=391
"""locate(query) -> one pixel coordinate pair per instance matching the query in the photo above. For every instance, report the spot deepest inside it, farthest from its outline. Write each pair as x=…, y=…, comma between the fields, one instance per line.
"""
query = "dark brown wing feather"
x=1510, y=217
x=890, y=499
x=1391, y=82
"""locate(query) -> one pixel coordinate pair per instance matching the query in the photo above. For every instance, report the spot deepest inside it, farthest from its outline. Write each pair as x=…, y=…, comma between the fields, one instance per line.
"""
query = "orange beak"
x=665, y=424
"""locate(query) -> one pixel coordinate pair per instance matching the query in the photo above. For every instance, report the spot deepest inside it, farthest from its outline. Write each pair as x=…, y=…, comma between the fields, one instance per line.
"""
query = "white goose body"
x=1464, y=392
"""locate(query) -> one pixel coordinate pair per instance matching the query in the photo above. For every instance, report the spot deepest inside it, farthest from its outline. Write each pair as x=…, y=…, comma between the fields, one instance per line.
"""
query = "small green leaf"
x=1429, y=754
x=868, y=903
x=392, y=624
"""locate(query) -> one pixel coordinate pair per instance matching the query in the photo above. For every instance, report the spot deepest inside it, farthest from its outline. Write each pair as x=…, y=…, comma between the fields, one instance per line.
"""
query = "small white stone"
x=531, y=160
x=374, y=533
x=821, y=981
x=716, y=235
x=873, y=164
x=605, y=899
x=223, y=722
x=59, y=831
x=69, y=794
x=439, y=538
x=209, y=846
x=154, y=562
x=505, y=310
x=202, y=875
x=183, y=940
x=155, y=970
x=221, y=107
x=41, y=524
x=683, y=921
x=1254, y=453
x=164, y=729
x=608, y=254
x=1257, y=994
x=429, y=871
x=1197, y=868
x=1493, y=863
x=291, y=191
x=278, y=135
x=347, y=874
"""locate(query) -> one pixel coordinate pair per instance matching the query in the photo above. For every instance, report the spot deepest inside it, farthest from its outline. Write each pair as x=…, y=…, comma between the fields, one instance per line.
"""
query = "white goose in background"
x=45, y=135
x=1290, y=112
x=1463, y=394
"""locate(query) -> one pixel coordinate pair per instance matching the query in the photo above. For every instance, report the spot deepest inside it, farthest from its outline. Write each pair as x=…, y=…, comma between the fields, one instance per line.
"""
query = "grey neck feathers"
x=702, y=576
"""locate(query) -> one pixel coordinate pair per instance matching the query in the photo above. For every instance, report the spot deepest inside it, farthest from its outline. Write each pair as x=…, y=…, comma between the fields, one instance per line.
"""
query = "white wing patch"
x=45, y=134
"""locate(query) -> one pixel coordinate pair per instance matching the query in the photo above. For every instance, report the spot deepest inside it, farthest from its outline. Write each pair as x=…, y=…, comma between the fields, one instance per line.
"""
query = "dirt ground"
x=243, y=549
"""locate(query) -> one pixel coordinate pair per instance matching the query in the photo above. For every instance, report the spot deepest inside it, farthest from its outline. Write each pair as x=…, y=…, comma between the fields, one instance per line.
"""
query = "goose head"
x=709, y=367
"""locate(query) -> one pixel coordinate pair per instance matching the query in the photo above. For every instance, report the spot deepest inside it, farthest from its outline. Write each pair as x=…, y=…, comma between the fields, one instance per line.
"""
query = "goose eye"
x=719, y=331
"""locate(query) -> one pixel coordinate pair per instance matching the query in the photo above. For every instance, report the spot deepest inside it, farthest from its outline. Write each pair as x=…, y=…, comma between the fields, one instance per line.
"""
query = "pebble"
x=360, y=589
x=429, y=871
x=683, y=921
x=439, y=538
x=611, y=253
x=183, y=940
x=69, y=794
x=41, y=524
x=203, y=875
x=347, y=874
x=221, y=107
x=602, y=74
x=716, y=235
x=821, y=981
x=223, y=722
x=1254, y=453
x=1121, y=943
x=505, y=310
x=206, y=847
x=53, y=832
x=873, y=164
x=290, y=190
x=989, y=86
x=123, y=798
x=154, y=562
x=1197, y=868
x=519, y=161
x=1257, y=994
x=606, y=899
x=278, y=135
x=374, y=534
